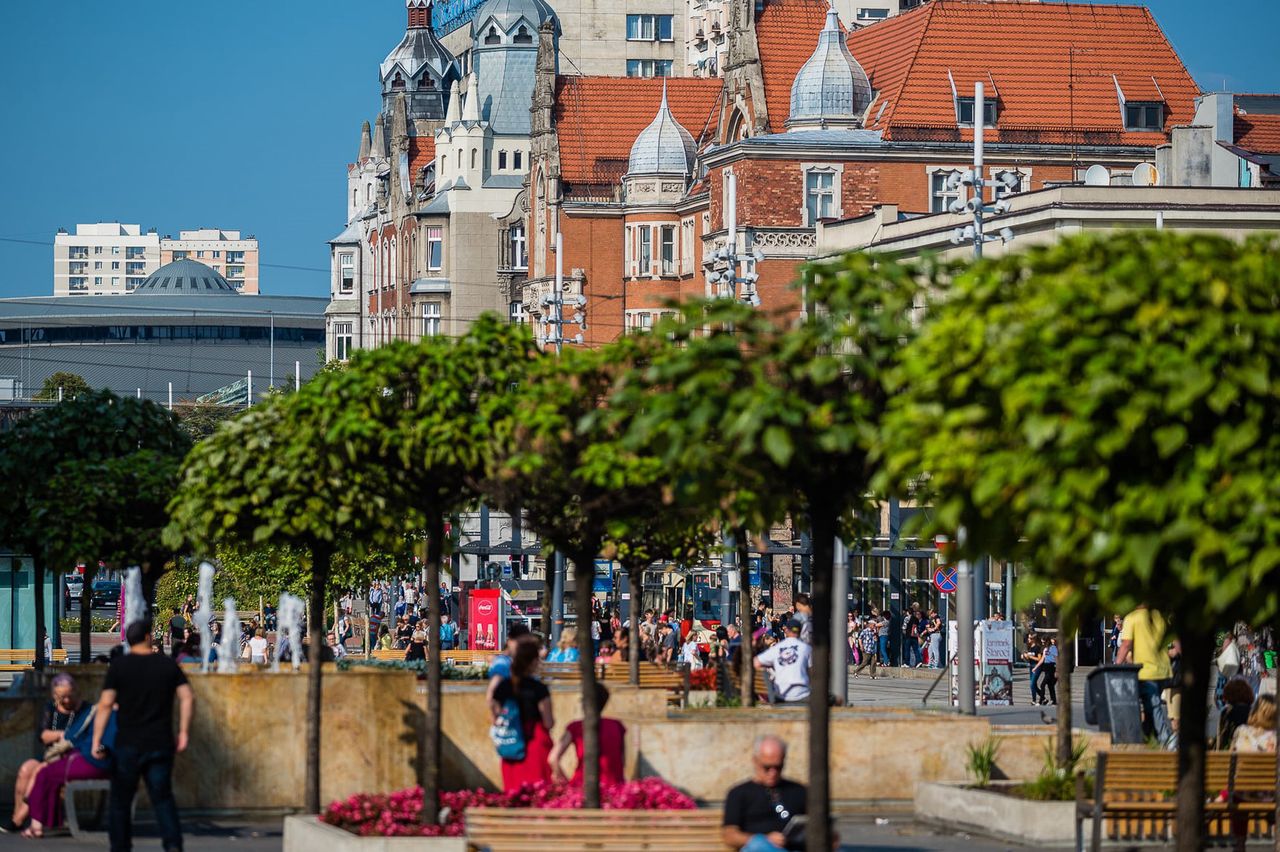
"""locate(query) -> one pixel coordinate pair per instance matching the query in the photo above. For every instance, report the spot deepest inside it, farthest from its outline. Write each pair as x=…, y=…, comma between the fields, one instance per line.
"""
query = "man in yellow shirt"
x=1143, y=642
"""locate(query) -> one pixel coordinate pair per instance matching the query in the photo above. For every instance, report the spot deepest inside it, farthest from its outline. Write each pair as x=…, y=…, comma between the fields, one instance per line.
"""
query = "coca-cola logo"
x=485, y=607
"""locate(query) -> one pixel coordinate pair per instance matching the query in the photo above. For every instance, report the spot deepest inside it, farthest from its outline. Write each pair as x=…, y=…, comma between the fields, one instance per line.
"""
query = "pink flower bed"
x=396, y=814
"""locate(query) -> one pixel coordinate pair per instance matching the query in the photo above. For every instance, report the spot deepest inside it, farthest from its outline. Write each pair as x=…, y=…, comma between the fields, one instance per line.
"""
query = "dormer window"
x=426, y=82
x=1143, y=116
x=397, y=82
x=964, y=112
x=523, y=36
x=492, y=37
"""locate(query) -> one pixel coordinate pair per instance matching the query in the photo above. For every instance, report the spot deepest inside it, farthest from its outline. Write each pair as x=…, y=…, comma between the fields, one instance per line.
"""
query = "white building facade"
x=103, y=259
x=226, y=252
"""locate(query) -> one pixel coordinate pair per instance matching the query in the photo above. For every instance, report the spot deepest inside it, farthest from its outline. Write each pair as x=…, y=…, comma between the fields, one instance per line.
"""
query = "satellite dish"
x=1097, y=175
x=1145, y=174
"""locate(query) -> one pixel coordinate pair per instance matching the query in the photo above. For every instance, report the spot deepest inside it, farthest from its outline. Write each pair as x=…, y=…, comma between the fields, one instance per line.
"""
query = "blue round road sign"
x=944, y=578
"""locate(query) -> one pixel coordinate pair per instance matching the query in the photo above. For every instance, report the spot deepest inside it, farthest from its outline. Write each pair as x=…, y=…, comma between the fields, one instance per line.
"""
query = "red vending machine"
x=486, y=628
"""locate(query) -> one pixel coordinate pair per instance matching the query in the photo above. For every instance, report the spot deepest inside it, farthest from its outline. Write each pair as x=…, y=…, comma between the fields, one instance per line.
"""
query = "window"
x=667, y=249
x=115, y=266
x=523, y=36
x=492, y=37
x=115, y=281
x=519, y=258
x=819, y=195
x=179, y=255
x=130, y=283
x=217, y=254
x=435, y=249
x=397, y=82
x=473, y=158
x=135, y=268
x=135, y=252
x=964, y=112
x=97, y=281
x=648, y=67
x=199, y=254
x=115, y=249
x=646, y=250
x=518, y=158
x=516, y=312
x=502, y=160
x=872, y=14
x=1143, y=116
x=342, y=340
x=941, y=195
x=649, y=28
x=347, y=274
x=430, y=319
x=686, y=246
x=97, y=249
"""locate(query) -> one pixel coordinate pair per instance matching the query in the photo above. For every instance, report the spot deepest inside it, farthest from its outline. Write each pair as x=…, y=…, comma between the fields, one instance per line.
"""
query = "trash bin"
x=1112, y=703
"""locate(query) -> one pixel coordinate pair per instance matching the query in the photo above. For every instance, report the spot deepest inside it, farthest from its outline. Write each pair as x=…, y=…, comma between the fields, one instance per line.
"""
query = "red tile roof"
x=786, y=35
x=422, y=150
x=598, y=119
x=1054, y=67
x=1257, y=133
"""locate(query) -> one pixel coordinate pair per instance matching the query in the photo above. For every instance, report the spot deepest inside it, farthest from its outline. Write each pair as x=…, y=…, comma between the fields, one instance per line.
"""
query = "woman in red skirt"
x=534, y=700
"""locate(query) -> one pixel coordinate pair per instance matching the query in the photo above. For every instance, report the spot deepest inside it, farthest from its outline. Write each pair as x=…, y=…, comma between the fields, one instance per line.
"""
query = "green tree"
x=276, y=475
x=62, y=385
x=552, y=458
x=201, y=419
x=1105, y=409
x=791, y=412
x=421, y=415
x=88, y=480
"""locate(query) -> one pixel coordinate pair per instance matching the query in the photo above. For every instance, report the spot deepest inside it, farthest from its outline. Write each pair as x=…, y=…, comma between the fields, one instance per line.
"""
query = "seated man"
x=789, y=661
x=757, y=813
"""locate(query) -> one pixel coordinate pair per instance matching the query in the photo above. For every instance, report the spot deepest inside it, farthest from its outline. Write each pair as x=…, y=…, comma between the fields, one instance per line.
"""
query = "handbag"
x=1229, y=660
x=507, y=733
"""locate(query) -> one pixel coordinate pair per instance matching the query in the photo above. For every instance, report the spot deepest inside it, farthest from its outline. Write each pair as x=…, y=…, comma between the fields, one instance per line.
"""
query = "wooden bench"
x=536, y=830
x=21, y=659
x=458, y=658
x=1134, y=795
x=652, y=676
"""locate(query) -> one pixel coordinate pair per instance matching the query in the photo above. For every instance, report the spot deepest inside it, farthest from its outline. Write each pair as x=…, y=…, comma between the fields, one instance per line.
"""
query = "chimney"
x=419, y=14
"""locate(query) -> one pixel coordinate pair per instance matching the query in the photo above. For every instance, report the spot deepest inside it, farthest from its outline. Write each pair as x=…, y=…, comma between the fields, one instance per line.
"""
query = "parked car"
x=106, y=593
x=74, y=584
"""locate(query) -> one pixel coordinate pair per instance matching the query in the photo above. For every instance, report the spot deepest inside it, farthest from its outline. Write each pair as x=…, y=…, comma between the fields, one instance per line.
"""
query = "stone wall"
x=248, y=750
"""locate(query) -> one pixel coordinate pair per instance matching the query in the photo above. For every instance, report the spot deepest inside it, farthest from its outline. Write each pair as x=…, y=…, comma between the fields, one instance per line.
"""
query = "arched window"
x=397, y=82
x=355, y=198
x=473, y=158
x=523, y=36
x=444, y=164
x=492, y=36
x=426, y=82
x=517, y=157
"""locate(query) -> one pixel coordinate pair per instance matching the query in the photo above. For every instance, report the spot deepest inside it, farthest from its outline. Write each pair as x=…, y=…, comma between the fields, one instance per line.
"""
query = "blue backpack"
x=507, y=732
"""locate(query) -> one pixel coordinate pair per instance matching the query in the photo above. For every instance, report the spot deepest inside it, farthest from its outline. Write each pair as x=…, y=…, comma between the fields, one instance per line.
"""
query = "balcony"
x=78, y=254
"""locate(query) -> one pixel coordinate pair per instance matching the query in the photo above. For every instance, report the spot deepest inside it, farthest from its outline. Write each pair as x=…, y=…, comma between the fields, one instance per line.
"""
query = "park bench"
x=457, y=658
x=536, y=830
x=652, y=676
x=1134, y=796
x=20, y=659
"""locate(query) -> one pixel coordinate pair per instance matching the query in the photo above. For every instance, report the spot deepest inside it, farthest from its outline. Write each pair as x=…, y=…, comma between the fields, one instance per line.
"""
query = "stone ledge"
x=1039, y=824
x=306, y=833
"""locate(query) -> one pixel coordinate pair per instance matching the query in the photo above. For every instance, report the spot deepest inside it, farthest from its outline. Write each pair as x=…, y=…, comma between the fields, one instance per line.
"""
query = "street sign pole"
x=964, y=628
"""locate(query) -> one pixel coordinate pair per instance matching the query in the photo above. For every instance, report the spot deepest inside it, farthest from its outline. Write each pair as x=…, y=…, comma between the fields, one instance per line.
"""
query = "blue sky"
x=242, y=114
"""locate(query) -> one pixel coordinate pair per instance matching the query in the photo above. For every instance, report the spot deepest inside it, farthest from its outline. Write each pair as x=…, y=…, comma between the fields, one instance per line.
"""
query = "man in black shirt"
x=142, y=685
x=757, y=812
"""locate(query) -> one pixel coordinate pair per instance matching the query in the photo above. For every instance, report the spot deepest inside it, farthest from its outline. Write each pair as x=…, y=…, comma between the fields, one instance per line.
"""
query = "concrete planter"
x=989, y=812
x=308, y=834
x=701, y=698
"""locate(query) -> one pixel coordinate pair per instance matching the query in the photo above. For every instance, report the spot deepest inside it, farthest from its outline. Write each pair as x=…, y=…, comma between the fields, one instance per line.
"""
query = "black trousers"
x=1048, y=678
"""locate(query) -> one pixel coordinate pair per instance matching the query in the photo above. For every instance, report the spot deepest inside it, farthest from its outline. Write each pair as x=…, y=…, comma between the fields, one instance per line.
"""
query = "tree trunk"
x=1197, y=656
x=86, y=611
x=583, y=578
x=320, y=558
x=1066, y=663
x=746, y=671
x=42, y=627
x=633, y=624
x=432, y=752
x=818, y=832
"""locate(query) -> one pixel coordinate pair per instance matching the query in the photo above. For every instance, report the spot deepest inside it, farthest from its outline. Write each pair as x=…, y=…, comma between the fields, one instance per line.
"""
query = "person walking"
x=1031, y=655
x=142, y=686
x=789, y=663
x=911, y=637
x=448, y=633
x=1047, y=666
x=532, y=713
x=882, y=623
x=1142, y=640
x=866, y=639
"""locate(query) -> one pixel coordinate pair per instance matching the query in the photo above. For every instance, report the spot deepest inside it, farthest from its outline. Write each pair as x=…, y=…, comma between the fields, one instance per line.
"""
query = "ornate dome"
x=185, y=278
x=831, y=88
x=664, y=147
x=505, y=14
x=419, y=67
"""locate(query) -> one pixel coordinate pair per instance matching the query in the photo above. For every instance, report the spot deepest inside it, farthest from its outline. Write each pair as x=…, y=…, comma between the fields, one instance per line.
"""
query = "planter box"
x=701, y=698
x=1037, y=824
x=306, y=833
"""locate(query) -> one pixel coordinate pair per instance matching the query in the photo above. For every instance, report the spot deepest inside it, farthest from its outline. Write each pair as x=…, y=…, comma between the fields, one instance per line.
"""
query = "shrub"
x=982, y=760
x=1056, y=783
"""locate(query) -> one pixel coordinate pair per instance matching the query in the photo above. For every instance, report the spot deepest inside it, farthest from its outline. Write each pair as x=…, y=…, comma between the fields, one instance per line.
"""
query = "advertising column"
x=486, y=628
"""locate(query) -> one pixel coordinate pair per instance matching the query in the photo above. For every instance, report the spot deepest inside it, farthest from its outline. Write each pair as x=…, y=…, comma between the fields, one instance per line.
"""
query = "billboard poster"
x=486, y=626
x=995, y=658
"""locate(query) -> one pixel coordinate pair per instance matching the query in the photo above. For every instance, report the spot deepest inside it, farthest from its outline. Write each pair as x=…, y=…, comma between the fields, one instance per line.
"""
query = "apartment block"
x=234, y=257
x=103, y=259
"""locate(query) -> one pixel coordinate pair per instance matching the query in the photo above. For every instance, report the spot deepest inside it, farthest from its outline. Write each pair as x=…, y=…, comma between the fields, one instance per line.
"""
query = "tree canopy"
x=71, y=385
